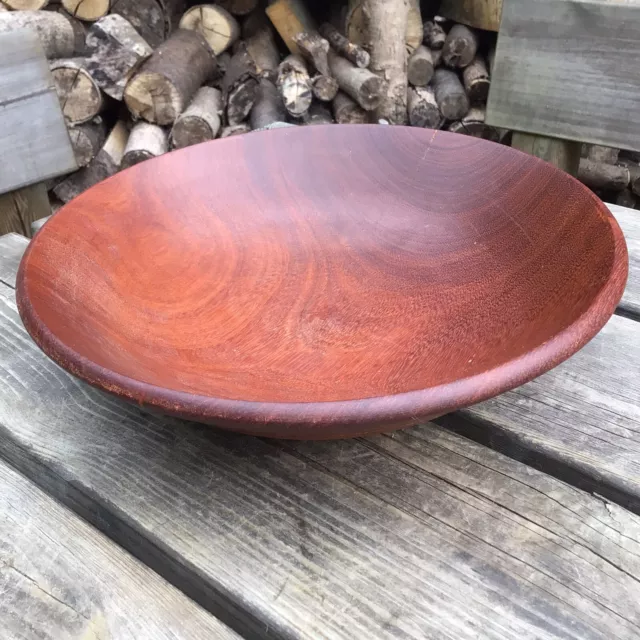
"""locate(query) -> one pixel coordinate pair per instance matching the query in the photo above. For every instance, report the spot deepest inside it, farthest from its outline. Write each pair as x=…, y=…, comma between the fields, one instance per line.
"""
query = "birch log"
x=146, y=141
x=200, y=121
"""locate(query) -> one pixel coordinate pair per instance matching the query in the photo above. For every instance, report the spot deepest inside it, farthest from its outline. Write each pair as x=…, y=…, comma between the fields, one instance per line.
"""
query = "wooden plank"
x=481, y=14
x=421, y=534
x=565, y=69
x=60, y=578
x=19, y=208
x=34, y=143
x=12, y=246
x=629, y=221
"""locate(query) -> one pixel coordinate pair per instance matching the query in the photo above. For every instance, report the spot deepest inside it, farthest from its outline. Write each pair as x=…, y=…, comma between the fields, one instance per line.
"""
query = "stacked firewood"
x=137, y=78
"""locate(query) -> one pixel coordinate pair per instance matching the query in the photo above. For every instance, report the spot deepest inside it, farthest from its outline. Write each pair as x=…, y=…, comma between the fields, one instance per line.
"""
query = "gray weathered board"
x=418, y=534
x=60, y=578
x=12, y=246
x=629, y=221
x=34, y=143
x=569, y=69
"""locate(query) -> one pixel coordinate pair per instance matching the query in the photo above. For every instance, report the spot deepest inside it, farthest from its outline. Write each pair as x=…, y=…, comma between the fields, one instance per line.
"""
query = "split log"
x=146, y=141
x=60, y=36
x=423, y=108
x=314, y=48
x=365, y=87
x=347, y=111
x=79, y=95
x=597, y=175
x=268, y=107
x=387, y=22
x=626, y=199
x=150, y=18
x=352, y=52
x=357, y=25
x=165, y=84
x=460, y=47
x=318, y=114
x=420, y=67
x=217, y=25
x=473, y=124
x=434, y=35
x=260, y=40
x=87, y=139
x=294, y=85
x=324, y=88
x=240, y=86
x=235, y=130
x=450, y=94
x=290, y=17
x=105, y=164
x=86, y=10
x=115, y=50
x=239, y=7
x=603, y=155
x=476, y=81
x=23, y=5
x=200, y=121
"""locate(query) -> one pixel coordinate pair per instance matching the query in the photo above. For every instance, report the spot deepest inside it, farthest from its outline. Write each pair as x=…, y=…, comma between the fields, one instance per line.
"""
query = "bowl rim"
x=383, y=412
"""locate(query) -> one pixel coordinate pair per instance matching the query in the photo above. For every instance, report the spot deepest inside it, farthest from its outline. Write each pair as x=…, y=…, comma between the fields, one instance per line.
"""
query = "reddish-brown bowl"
x=322, y=282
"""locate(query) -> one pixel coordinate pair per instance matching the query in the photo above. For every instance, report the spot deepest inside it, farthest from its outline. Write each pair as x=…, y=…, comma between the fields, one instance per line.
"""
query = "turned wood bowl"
x=322, y=282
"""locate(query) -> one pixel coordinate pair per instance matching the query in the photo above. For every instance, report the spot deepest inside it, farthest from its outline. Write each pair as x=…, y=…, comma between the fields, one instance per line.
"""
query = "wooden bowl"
x=323, y=282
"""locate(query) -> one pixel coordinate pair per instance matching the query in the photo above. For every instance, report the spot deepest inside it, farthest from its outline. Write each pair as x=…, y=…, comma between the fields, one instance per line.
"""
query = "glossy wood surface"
x=325, y=281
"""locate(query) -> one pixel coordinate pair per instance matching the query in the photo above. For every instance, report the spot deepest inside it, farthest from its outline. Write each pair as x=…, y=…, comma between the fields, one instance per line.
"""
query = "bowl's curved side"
x=325, y=420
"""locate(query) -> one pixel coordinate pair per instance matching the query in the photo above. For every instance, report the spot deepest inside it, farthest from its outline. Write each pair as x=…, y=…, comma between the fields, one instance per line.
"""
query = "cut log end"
x=423, y=108
x=324, y=88
x=79, y=95
x=235, y=130
x=154, y=98
x=86, y=140
x=450, y=94
x=420, y=67
x=23, y=5
x=460, y=46
x=217, y=25
x=87, y=10
x=200, y=121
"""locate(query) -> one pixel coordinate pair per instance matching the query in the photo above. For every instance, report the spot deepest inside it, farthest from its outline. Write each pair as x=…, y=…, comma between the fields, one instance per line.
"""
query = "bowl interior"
x=320, y=264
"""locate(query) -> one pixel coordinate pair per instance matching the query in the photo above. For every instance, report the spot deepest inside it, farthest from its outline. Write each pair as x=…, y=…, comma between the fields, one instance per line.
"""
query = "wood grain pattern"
x=481, y=14
x=629, y=221
x=256, y=308
x=12, y=248
x=422, y=534
x=34, y=143
x=60, y=578
x=564, y=69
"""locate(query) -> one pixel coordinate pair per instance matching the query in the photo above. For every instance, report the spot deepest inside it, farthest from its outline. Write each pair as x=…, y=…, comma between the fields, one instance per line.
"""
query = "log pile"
x=138, y=78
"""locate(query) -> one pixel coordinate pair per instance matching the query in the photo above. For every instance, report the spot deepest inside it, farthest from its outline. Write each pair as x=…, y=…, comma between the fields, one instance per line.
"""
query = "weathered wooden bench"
x=421, y=533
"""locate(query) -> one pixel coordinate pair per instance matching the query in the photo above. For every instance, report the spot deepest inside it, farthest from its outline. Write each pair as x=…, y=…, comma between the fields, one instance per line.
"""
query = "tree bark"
x=79, y=95
x=240, y=86
x=365, y=87
x=347, y=111
x=314, y=48
x=476, y=81
x=460, y=46
x=473, y=124
x=239, y=7
x=200, y=121
x=146, y=141
x=318, y=114
x=598, y=175
x=219, y=28
x=150, y=18
x=294, y=85
x=387, y=22
x=235, y=130
x=423, y=108
x=259, y=38
x=60, y=37
x=434, y=35
x=450, y=94
x=268, y=107
x=420, y=67
x=105, y=164
x=164, y=85
x=115, y=50
x=87, y=139
x=352, y=52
